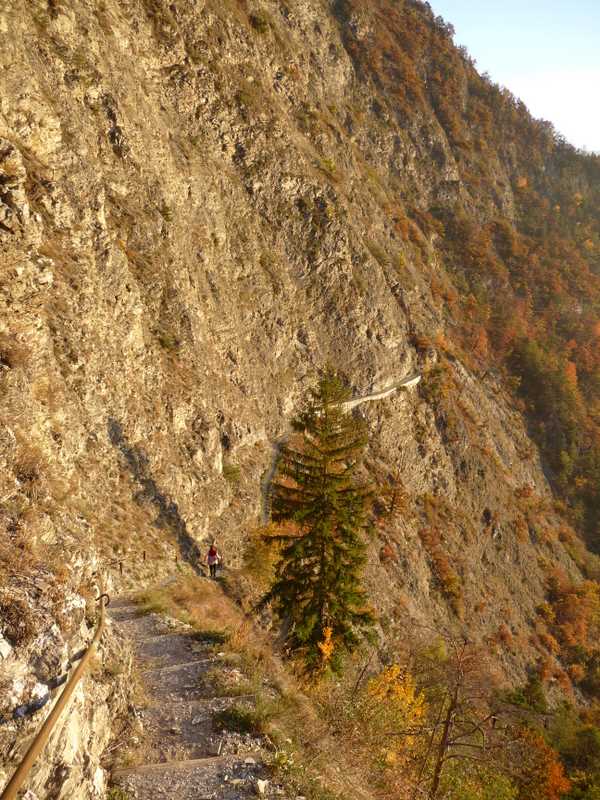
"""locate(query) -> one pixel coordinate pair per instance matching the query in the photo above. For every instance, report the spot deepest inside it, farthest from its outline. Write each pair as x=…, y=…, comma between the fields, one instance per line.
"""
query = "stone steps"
x=175, y=667
x=215, y=778
x=179, y=740
x=165, y=766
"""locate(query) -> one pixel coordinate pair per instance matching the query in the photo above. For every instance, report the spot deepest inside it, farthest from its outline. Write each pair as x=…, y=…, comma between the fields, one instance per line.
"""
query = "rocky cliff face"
x=200, y=205
x=50, y=626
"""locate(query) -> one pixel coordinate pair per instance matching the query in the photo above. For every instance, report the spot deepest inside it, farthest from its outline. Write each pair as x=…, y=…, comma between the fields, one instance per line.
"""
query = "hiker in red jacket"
x=213, y=558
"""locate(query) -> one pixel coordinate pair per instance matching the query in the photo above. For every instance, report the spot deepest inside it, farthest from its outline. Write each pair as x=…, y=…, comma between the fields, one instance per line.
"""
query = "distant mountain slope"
x=516, y=212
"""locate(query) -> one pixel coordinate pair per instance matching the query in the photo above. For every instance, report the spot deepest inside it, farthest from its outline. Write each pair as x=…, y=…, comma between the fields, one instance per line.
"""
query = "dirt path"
x=181, y=752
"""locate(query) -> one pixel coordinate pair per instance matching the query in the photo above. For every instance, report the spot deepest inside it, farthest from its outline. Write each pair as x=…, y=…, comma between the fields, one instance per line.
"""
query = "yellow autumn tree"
x=326, y=646
x=391, y=707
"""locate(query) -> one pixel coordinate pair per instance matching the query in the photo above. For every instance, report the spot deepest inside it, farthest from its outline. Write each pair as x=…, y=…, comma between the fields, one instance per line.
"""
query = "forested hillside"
x=517, y=226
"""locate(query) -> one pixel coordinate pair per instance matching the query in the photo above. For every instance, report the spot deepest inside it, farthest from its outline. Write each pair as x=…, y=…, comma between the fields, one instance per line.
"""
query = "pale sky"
x=547, y=52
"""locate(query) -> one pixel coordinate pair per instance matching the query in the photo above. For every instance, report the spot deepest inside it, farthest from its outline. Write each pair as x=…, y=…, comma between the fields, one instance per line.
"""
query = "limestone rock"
x=195, y=217
x=5, y=648
x=261, y=787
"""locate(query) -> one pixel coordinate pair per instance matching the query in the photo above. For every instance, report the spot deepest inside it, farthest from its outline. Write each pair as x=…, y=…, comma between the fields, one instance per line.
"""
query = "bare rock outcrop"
x=201, y=204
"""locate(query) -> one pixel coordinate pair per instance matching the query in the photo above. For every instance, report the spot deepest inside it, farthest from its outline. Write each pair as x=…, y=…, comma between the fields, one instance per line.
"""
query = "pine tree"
x=317, y=588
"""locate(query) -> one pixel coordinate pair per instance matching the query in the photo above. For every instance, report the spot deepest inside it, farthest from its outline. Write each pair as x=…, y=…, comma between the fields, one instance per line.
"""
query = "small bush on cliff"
x=317, y=589
x=448, y=580
x=232, y=473
x=16, y=620
x=259, y=22
x=530, y=696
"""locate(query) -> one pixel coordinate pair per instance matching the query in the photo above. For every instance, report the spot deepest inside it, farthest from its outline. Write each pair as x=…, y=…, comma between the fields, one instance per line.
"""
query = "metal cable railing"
x=40, y=739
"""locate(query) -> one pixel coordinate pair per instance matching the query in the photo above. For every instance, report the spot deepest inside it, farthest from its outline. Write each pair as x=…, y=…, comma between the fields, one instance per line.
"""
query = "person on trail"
x=213, y=559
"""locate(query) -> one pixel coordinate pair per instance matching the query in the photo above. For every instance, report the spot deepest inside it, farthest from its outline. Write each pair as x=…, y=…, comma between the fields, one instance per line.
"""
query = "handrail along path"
x=40, y=739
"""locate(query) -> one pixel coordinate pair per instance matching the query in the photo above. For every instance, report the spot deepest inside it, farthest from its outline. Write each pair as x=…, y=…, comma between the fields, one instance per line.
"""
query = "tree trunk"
x=442, y=748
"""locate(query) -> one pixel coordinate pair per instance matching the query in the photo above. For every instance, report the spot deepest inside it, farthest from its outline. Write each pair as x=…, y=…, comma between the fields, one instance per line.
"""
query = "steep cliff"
x=203, y=203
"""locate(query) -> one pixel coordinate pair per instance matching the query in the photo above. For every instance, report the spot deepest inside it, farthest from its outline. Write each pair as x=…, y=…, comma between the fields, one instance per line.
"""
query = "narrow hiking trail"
x=182, y=751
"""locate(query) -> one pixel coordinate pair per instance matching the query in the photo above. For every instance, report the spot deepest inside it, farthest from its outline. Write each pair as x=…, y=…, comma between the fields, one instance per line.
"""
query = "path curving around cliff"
x=178, y=748
x=408, y=382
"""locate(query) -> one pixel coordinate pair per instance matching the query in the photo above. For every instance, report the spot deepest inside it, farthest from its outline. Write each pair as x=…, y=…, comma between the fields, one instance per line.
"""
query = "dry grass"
x=123, y=526
x=19, y=561
x=13, y=354
x=196, y=602
x=308, y=757
x=16, y=556
x=18, y=624
x=6, y=683
x=222, y=684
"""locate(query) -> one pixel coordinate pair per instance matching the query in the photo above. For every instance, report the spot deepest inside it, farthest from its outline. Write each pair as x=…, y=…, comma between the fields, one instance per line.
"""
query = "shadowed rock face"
x=195, y=215
x=168, y=511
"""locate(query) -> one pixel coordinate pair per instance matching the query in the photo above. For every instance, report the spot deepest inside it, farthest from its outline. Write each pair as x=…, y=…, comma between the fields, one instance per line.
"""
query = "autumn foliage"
x=542, y=776
x=519, y=235
x=514, y=235
x=576, y=611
